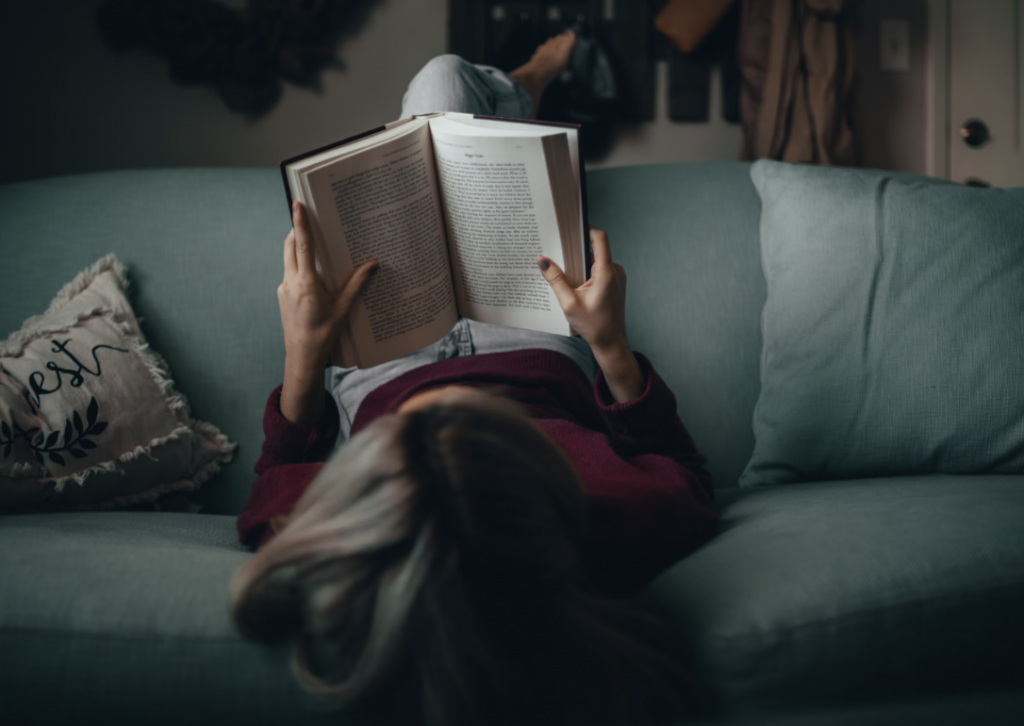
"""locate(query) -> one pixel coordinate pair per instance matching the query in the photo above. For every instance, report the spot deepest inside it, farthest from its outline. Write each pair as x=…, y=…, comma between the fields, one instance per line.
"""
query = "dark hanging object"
x=244, y=53
x=587, y=93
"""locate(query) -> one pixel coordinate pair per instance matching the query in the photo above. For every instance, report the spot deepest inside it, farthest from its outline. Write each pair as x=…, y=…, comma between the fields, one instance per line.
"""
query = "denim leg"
x=501, y=338
x=349, y=386
x=448, y=83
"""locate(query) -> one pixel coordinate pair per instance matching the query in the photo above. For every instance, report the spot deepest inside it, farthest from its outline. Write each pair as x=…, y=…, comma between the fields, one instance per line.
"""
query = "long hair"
x=437, y=560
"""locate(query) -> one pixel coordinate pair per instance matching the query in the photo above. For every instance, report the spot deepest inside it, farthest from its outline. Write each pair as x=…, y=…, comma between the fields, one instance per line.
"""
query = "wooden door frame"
x=937, y=128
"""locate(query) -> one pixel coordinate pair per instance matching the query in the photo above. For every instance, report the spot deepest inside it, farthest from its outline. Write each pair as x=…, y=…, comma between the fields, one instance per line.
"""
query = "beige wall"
x=77, y=106
x=72, y=105
x=891, y=112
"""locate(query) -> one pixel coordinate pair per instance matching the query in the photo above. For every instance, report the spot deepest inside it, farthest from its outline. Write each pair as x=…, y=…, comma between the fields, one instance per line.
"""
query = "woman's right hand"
x=312, y=318
x=597, y=311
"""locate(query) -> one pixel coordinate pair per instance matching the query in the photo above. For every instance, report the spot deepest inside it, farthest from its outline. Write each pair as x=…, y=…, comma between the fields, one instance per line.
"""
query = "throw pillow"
x=89, y=416
x=893, y=327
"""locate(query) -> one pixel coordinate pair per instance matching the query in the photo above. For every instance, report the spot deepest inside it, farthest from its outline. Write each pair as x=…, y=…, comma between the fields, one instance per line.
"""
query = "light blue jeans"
x=448, y=83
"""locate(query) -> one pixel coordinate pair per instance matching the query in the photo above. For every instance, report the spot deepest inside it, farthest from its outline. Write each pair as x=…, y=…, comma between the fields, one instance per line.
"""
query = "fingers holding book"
x=311, y=315
x=312, y=318
x=597, y=311
x=597, y=308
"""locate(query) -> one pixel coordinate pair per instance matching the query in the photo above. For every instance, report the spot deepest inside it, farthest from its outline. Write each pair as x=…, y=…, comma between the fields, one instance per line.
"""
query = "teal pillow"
x=893, y=328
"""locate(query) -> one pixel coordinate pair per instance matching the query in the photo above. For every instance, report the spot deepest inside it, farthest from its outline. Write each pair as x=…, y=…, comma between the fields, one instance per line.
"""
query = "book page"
x=521, y=128
x=384, y=204
x=561, y=148
x=500, y=215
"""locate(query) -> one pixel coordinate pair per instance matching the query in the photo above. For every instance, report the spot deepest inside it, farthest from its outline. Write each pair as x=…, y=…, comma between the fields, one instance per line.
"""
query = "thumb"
x=353, y=287
x=556, y=278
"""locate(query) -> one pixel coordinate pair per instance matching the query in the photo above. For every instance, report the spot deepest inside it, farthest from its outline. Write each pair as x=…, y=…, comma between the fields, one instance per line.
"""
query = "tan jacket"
x=797, y=60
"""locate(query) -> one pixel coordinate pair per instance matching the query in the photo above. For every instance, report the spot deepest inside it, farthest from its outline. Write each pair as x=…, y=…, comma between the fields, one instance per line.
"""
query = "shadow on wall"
x=246, y=53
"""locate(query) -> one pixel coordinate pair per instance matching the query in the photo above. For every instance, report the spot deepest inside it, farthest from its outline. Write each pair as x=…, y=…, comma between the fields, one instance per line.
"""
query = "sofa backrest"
x=688, y=236
x=203, y=251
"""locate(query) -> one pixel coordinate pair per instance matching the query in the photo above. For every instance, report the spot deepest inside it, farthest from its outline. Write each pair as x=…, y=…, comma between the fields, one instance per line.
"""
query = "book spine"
x=284, y=164
x=588, y=254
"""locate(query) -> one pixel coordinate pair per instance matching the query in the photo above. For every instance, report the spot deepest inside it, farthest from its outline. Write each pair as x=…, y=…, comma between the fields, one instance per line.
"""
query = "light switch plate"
x=895, y=45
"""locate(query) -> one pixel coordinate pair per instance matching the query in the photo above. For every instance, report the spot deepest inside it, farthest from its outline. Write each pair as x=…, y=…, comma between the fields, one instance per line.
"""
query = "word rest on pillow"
x=89, y=416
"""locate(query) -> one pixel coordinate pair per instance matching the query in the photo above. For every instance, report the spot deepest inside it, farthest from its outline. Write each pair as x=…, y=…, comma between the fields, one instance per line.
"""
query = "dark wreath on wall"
x=245, y=53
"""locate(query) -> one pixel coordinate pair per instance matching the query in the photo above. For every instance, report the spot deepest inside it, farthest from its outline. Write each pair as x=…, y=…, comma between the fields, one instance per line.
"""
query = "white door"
x=986, y=92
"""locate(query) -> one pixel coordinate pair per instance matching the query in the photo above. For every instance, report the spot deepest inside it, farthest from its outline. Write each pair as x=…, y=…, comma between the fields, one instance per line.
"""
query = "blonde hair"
x=438, y=557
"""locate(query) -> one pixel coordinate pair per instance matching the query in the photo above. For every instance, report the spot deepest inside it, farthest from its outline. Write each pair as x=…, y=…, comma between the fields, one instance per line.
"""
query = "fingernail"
x=295, y=207
x=544, y=265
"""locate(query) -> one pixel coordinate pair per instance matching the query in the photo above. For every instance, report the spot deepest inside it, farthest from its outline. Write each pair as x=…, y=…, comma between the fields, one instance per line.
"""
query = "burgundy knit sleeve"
x=648, y=424
x=285, y=442
x=651, y=501
x=292, y=456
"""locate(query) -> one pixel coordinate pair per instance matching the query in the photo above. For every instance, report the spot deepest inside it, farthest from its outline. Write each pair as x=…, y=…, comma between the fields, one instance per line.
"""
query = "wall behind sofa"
x=72, y=105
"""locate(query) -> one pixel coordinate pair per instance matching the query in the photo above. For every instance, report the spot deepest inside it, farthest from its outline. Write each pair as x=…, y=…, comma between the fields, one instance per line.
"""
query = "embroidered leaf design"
x=51, y=439
x=77, y=453
x=67, y=431
x=78, y=423
x=87, y=444
x=56, y=458
x=7, y=451
x=5, y=429
x=98, y=428
x=39, y=458
x=90, y=415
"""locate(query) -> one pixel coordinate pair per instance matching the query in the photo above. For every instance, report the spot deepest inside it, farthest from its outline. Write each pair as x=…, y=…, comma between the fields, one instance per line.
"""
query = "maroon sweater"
x=650, y=501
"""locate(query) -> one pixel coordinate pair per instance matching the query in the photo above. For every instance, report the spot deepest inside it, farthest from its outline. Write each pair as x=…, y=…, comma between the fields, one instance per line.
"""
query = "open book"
x=456, y=208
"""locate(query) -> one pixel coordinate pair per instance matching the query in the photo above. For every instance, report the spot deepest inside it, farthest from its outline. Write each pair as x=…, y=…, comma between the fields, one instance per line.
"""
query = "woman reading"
x=463, y=557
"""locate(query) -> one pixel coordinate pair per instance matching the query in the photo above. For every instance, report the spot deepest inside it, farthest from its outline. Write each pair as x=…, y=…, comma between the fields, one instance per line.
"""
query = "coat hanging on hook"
x=798, y=62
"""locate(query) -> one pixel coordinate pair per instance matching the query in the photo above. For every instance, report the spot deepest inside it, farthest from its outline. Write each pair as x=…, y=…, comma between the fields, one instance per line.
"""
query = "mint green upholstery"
x=124, y=614
x=893, y=329
x=687, y=236
x=810, y=595
x=203, y=249
x=815, y=594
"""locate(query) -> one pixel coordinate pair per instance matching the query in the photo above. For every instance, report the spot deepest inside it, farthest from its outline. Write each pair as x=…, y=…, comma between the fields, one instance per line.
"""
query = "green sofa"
x=812, y=597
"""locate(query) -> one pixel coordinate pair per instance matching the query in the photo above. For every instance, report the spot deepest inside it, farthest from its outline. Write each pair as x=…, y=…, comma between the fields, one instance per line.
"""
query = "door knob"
x=974, y=133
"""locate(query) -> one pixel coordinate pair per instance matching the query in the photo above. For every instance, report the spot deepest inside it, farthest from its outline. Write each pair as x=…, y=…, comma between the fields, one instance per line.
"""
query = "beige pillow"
x=89, y=417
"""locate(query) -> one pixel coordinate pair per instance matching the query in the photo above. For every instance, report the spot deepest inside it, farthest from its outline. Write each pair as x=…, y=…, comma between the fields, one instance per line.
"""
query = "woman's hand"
x=597, y=311
x=312, y=317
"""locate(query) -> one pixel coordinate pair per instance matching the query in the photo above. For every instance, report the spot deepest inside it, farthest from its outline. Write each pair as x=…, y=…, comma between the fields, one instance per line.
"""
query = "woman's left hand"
x=312, y=317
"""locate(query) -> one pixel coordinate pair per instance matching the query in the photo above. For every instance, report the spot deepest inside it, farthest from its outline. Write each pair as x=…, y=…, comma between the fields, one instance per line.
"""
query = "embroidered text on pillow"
x=76, y=375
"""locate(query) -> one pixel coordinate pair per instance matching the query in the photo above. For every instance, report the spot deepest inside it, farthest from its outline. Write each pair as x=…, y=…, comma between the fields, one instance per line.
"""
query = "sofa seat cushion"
x=827, y=594
x=123, y=617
